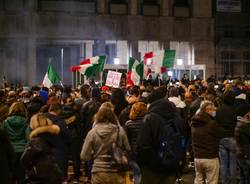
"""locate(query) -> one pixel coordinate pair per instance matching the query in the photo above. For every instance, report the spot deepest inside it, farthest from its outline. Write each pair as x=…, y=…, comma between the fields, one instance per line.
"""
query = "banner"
x=113, y=79
x=229, y=5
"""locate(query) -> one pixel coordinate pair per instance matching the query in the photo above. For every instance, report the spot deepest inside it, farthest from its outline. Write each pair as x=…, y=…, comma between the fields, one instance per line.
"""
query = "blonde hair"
x=105, y=115
x=39, y=120
x=139, y=109
x=18, y=108
x=108, y=105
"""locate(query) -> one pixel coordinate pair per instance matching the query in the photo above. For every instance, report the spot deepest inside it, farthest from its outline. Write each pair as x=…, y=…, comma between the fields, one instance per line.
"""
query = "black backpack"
x=170, y=144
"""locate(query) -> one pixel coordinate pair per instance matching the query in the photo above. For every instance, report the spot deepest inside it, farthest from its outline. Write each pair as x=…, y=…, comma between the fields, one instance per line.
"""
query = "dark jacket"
x=17, y=130
x=148, y=138
x=72, y=119
x=7, y=159
x=242, y=136
x=89, y=109
x=226, y=118
x=206, y=136
x=132, y=129
x=241, y=107
x=124, y=115
x=39, y=158
x=62, y=141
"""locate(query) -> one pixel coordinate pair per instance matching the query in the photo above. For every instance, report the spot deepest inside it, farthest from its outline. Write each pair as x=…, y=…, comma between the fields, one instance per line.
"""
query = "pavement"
x=187, y=178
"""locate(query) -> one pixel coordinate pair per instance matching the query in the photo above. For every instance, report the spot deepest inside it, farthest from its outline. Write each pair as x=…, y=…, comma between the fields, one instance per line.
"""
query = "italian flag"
x=51, y=77
x=135, y=72
x=160, y=59
x=90, y=66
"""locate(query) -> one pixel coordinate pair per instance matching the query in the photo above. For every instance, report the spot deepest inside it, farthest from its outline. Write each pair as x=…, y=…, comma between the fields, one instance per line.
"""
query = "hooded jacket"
x=206, y=136
x=98, y=146
x=148, y=138
x=17, y=130
x=242, y=137
x=39, y=156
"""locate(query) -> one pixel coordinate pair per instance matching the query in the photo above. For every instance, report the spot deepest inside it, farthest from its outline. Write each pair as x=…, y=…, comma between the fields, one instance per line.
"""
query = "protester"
x=7, y=158
x=16, y=128
x=118, y=100
x=205, y=136
x=62, y=140
x=98, y=147
x=226, y=118
x=39, y=156
x=132, y=129
x=242, y=137
x=161, y=113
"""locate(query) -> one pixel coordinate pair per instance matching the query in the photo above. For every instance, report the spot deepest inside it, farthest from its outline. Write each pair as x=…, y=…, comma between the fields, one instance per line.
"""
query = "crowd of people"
x=43, y=130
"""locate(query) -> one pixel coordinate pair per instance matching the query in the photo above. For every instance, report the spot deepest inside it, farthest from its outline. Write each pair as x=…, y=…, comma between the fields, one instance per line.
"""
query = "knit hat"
x=95, y=92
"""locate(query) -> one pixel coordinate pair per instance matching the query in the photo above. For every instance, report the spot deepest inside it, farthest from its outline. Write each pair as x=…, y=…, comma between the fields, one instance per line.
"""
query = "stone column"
x=102, y=6
x=165, y=8
x=31, y=60
x=133, y=7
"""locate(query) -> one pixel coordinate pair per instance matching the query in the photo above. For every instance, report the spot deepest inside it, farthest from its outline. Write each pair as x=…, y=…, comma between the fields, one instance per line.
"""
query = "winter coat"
x=17, y=130
x=195, y=105
x=148, y=138
x=72, y=120
x=62, y=141
x=132, y=129
x=242, y=137
x=39, y=157
x=241, y=107
x=124, y=115
x=98, y=146
x=206, y=135
x=226, y=118
x=89, y=109
x=7, y=159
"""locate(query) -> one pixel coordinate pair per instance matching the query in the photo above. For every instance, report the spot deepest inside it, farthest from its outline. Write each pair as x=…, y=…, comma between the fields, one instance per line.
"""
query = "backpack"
x=170, y=145
x=119, y=156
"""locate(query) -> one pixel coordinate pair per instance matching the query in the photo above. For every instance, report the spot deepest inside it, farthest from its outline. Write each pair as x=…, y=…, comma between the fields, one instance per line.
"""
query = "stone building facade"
x=34, y=32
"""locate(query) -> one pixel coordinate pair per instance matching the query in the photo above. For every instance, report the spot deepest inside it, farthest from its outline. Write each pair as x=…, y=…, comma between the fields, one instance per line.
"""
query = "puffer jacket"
x=242, y=136
x=98, y=146
x=39, y=157
x=206, y=135
x=17, y=130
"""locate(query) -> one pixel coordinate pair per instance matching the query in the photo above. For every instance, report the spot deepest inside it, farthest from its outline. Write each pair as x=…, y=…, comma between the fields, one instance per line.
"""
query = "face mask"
x=213, y=113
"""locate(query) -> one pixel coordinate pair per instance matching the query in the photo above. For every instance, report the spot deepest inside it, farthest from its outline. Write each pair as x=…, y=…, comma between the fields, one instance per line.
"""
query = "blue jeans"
x=228, y=161
x=244, y=170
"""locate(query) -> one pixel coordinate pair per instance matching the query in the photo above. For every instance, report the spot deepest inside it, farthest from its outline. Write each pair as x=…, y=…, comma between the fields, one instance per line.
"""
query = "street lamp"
x=179, y=61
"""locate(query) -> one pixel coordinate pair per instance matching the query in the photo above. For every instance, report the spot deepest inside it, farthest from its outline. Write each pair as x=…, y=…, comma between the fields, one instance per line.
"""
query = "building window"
x=118, y=1
x=184, y=52
x=111, y=51
x=150, y=1
x=181, y=3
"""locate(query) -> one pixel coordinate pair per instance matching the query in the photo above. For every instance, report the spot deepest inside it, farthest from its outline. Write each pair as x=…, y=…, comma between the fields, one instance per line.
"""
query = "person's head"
x=156, y=95
x=138, y=110
x=135, y=91
x=18, y=109
x=85, y=91
x=105, y=115
x=55, y=108
x=95, y=92
x=108, y=105
x=174, y=92
x=208, y=107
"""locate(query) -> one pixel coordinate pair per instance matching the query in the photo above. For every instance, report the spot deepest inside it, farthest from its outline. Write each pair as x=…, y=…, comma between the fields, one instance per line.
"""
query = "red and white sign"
x=113, y=79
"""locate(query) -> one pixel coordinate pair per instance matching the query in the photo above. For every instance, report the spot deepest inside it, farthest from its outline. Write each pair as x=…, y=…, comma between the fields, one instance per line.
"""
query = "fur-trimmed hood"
x=50, y=129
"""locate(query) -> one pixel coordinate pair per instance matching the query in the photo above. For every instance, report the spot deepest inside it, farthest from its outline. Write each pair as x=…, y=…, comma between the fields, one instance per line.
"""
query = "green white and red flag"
x=161, y=60
x=90, y=66
x=135, y=72
x=51, y=77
